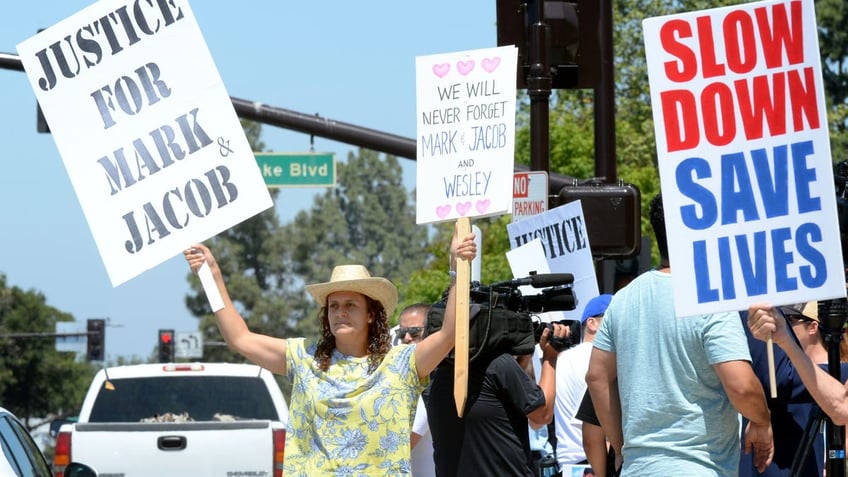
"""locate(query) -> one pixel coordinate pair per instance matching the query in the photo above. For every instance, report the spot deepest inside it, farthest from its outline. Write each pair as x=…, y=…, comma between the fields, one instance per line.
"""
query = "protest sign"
x=562, y=233
x=744, y=156
x=466, y=133
x=145, y=128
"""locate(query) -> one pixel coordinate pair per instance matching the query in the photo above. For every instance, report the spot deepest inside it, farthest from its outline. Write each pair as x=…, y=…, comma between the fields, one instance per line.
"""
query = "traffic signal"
x=95, y=339
x=572, y=39
x=166, y=346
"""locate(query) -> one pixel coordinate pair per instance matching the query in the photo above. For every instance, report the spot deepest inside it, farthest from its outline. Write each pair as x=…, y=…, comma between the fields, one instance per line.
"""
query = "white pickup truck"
x=178, y=419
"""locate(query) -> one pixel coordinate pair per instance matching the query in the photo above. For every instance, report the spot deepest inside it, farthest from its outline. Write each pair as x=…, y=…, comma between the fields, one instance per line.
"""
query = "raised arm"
x=266, y=351
x=433, y=349
x=547, y=380
x=831, y=395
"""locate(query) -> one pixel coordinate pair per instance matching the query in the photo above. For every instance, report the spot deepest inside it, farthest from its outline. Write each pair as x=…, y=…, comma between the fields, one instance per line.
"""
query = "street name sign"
x=298, y=170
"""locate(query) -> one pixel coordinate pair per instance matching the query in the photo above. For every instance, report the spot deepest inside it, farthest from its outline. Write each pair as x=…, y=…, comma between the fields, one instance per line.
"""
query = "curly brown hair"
x=379, y=339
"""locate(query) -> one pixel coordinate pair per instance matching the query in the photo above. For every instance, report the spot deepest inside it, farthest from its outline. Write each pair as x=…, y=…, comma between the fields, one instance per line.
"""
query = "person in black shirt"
x=492, y=437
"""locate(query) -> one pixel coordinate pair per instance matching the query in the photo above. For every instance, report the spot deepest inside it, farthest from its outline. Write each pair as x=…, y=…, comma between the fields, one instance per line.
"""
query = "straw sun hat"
x=355, y=278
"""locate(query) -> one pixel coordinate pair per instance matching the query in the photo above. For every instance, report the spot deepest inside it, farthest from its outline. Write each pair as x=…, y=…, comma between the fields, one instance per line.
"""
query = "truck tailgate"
x=167, y=449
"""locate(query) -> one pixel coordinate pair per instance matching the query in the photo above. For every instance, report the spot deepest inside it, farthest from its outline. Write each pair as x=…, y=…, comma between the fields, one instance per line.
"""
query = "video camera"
x=502, y=318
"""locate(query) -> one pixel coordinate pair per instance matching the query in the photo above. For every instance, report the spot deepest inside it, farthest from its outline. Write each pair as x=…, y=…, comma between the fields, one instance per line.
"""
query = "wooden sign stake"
x=463, y=285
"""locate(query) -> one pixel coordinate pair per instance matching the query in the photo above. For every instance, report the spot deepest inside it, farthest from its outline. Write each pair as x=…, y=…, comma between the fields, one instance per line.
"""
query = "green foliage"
x=35, y=379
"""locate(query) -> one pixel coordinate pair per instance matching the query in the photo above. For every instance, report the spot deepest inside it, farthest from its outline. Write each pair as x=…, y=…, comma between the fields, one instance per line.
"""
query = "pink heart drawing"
x=441, y=70
x=483, y=205
x=443, y=211
x=462, y=208
x=464, y=67
x=491, y=64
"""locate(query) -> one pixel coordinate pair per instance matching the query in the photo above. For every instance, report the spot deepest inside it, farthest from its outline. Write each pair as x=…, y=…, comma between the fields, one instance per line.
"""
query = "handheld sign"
x=466, y=134
x=466, y=145
x=145, y=128
x=744, y=156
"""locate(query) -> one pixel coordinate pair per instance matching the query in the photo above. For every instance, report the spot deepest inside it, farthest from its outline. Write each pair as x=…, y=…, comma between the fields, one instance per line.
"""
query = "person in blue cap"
x=571, y=385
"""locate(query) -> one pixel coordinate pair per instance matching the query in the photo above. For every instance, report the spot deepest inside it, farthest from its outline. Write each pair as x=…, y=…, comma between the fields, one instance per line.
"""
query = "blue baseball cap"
x=596, y=306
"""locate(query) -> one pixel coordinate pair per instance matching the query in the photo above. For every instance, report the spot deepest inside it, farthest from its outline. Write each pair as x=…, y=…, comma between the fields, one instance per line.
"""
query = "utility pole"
x=539, y=82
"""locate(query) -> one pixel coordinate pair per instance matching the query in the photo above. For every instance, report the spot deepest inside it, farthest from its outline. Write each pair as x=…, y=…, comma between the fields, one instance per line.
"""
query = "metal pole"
x=539, y=82
x=605, y=156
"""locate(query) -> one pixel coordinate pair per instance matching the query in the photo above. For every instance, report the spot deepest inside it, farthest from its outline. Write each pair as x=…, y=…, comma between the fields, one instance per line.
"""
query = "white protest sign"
x=744, y=156
x=562, y=233
x=466, y=133
x=145, y=128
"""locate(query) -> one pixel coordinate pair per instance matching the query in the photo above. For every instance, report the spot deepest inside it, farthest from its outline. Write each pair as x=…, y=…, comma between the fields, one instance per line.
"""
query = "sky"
x=352, y=62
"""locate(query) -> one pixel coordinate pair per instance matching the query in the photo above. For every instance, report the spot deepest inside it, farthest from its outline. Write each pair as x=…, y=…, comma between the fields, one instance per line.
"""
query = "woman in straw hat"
x=353, y=394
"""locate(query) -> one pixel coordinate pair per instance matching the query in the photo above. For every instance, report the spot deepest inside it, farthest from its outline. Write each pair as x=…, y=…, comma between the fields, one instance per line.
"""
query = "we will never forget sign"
x=744, y=156
x=145, y=128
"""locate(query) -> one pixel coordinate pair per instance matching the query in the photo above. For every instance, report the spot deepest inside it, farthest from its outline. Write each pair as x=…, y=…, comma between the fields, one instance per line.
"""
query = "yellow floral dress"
x=347, y=422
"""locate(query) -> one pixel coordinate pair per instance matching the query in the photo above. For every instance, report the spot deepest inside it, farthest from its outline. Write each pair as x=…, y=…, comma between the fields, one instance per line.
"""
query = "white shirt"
x=572, y=365
x=422, y=454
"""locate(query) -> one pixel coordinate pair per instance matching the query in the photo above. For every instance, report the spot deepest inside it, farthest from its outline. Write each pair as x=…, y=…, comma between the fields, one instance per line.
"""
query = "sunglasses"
x=795, y=318
x=414, y=331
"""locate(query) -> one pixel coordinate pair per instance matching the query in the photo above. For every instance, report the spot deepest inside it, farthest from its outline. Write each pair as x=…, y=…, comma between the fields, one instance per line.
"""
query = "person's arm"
x=595, y=448
x=542, y=415
x=433, y=349
x=602, y=382
x=266, y=351
x=746, y=395
x=831, y=395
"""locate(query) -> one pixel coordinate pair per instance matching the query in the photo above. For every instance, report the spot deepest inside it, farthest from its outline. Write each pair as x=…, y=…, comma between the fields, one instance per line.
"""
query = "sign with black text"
x=145, y=128
x=562, y=234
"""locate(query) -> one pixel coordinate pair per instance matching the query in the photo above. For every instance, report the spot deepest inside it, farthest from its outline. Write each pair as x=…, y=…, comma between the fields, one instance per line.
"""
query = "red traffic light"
x=165, y=337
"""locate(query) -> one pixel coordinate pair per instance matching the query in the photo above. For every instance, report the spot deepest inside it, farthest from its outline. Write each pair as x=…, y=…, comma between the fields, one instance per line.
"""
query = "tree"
x=832, y=17
x=35, y=379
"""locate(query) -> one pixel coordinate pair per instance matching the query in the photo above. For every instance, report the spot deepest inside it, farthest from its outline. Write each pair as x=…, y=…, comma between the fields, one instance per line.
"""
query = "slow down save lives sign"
x=297, y=170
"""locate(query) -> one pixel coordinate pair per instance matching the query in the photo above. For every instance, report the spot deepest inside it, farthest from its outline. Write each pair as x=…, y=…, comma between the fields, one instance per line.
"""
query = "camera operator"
x=492, y=437
x=831, y=395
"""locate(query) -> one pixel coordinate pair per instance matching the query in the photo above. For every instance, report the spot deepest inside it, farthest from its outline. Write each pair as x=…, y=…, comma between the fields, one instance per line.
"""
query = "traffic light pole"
x=539, y=83
x=347, y=133
x=605, y=143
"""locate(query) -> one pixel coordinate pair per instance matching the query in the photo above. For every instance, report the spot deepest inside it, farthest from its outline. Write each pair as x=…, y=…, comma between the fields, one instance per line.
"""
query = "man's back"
x=676, y=417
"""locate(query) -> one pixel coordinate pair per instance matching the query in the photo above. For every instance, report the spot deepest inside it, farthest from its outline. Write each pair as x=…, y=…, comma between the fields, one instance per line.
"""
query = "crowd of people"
x=643, y=393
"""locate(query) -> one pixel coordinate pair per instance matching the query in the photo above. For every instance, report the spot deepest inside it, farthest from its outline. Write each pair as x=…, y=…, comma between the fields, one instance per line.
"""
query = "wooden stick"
x=463, y=286
x=772, y=378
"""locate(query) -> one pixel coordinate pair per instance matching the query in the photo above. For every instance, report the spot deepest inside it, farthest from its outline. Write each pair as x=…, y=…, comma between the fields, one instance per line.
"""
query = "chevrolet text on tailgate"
x=197, y=419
